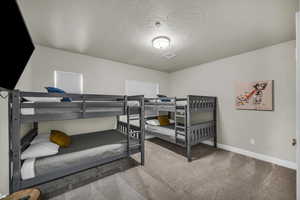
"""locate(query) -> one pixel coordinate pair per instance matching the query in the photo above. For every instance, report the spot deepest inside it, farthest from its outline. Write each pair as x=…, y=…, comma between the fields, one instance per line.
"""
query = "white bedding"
x=42, y=99
x=27, y=170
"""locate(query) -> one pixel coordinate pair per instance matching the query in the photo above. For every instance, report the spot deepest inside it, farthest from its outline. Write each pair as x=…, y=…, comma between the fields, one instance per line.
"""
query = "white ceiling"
x=121, y=30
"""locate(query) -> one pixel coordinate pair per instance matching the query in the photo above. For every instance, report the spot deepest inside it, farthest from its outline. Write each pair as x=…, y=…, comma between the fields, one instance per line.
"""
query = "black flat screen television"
x=18, y=46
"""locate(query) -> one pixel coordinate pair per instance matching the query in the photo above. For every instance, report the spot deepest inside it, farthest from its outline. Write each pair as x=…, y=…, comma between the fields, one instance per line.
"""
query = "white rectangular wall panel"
x=150, y=90
x=69, y=81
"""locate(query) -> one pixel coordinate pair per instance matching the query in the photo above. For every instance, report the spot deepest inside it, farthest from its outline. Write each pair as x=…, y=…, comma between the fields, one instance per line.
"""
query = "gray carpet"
x=213, y=175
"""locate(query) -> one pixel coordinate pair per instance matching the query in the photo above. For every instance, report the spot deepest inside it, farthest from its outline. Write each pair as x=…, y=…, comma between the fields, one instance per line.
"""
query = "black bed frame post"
x=215, y=122
x=187, y=129
x=142, y=127
x=36, y=126
x=9, y=141
x=15, y=141
x=118, y=122
x=128, y=125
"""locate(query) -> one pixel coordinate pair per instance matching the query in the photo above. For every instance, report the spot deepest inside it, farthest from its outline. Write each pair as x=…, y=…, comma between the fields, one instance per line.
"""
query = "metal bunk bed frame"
x=69, y=110
x=193, y=133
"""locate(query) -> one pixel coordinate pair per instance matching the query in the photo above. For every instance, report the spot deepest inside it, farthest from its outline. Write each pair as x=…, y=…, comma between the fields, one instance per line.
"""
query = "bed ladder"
x=131, y=132
x=180, y=128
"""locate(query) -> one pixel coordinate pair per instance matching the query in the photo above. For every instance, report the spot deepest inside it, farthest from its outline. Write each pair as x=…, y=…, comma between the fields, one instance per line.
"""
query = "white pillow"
x=27, y=170
x=41, y=138
x=153, y=122
x=39, y=150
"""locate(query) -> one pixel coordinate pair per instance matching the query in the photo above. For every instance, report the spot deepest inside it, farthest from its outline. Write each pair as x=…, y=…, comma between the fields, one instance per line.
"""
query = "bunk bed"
x=87, y=150
x=185, y=131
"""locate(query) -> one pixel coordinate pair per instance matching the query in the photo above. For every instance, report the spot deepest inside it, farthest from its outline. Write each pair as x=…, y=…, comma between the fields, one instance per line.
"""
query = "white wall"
x=100, y=77
x=272, y=131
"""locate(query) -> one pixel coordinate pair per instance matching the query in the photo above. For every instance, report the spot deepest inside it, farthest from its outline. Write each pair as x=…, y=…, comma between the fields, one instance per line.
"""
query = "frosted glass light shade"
x=161, y=42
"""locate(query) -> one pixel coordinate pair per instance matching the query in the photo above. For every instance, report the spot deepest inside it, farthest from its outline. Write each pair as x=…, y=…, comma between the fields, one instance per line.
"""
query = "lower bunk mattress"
x=84, y=148
x=164, y=132
x=203, y=131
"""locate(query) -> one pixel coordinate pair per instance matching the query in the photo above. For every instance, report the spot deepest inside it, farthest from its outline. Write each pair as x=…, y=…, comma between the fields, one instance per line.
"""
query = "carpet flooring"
x=213, y=174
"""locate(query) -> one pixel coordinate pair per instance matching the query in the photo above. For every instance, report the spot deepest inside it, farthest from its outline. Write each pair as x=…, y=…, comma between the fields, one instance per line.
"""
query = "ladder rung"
x=182, y=127
x=134, y=146
x=180, y=133
x=134, y=132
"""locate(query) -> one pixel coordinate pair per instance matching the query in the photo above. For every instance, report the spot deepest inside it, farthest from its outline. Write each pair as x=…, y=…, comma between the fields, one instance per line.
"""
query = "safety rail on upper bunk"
x=81, y=106
x=172, y=104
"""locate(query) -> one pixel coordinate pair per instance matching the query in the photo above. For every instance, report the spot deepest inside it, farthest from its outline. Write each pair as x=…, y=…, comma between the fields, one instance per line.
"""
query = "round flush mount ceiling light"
x=161, y=42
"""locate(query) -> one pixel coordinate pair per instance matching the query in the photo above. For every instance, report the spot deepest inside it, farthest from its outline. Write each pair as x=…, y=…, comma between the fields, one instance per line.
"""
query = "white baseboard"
x=270, y=159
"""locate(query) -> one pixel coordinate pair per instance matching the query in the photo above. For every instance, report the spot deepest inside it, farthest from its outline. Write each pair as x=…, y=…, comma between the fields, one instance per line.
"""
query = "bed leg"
x=215, y=123
x=215, y=142
x=188, y=153
x=143, y=158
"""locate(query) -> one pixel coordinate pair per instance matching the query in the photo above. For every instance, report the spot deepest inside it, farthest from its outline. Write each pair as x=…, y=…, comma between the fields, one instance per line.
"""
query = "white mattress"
x=27, y=169
x=42, y=99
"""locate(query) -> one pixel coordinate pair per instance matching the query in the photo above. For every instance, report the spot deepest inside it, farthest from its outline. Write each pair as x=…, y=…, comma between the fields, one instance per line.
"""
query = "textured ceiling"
x=121, y=30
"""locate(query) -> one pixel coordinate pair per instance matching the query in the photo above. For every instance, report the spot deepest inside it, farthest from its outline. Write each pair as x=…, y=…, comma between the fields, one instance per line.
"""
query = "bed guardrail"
x=170, y=104
x=202, y=131
x=134, y=131
x=201, y=103
x=81, y=106
x=75, y=97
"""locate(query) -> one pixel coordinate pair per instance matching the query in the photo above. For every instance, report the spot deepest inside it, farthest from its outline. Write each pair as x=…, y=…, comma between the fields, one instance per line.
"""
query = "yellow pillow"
x=60, y=138
x=163, y=120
